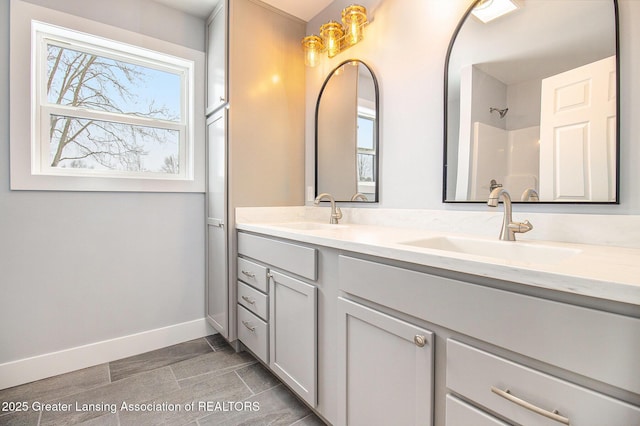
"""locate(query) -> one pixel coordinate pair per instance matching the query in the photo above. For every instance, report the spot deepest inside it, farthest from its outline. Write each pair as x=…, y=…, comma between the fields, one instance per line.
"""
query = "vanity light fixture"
x=488, y=10
x=336, y=37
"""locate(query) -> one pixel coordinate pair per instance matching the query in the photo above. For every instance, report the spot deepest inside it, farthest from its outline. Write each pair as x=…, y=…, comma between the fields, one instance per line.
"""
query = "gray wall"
x=77, y=268
x=407, y=52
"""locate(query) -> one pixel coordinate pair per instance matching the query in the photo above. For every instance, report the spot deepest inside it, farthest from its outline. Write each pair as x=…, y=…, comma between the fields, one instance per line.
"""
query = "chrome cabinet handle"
x=249, y=274
x=553, y=415
x=247, y=324
x=419, y=340
x=248, y=300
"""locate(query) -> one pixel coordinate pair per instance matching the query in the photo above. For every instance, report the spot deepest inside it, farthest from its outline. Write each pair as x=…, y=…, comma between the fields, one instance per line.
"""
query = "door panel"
x=293, y=334
x=578, y=134
x=216, y=201
x=385, y=368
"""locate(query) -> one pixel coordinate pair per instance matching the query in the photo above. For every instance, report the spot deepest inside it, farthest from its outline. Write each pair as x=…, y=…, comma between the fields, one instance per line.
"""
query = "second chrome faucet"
x=336, y=213
x=509, y=227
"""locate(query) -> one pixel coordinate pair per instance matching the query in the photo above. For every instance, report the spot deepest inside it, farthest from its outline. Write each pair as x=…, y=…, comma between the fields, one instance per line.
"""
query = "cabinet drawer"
x=291, y=257
x=460, y=413
x=253, y=300
x=253, y=274
x=481, y=377
x=253, y=332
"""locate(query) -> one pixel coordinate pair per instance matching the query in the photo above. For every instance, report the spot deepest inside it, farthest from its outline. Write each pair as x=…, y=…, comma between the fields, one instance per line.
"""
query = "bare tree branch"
x=88, y=81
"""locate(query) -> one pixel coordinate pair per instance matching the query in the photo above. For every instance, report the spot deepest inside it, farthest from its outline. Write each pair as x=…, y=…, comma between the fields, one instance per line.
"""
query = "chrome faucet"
x=359, y=196
x=509, y=227
x=336, y=213
x=530, y=194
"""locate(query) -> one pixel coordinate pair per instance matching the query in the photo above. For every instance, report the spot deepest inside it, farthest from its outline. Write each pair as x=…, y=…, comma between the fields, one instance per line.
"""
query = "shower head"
x=502, y=112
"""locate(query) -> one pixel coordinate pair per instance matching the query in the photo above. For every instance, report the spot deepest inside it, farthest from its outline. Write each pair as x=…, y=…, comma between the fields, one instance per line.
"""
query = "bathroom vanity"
x=381, y=325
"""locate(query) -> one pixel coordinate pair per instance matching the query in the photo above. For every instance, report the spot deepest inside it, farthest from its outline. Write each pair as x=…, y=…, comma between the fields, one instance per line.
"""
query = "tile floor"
x=200, y=382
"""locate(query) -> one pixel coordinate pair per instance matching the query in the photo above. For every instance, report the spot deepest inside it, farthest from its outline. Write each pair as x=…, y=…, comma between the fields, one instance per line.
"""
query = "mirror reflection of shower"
x=502, y=112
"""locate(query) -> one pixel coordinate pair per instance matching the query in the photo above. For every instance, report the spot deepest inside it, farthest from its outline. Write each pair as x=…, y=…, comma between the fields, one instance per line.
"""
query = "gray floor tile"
x=257, y=377
x=217, y=362
x=217, y=342
x=180, y=375
x=275, y=407
x=201, y=396
x=156, y=359
x=25, y=418
x=106, y=420
x=105, y=399
x=310, y=420
x=58, y=386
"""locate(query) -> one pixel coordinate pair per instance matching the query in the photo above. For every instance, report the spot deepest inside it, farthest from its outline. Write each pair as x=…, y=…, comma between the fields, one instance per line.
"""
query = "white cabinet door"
x=217, y=168
x=293, y=334
x=217, y=289
x=385, y=369
x=217, y=293
x=217, y=58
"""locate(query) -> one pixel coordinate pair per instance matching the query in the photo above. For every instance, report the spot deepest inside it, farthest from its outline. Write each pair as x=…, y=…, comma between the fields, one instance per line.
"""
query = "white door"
x=217, y=257
x=385, y=369
x=578, y=134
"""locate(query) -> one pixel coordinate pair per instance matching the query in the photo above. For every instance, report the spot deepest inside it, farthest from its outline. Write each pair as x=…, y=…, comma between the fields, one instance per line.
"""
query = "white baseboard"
x=51, y=364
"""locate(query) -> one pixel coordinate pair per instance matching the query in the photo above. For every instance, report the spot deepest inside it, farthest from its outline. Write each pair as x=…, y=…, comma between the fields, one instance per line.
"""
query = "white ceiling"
x=303, y=9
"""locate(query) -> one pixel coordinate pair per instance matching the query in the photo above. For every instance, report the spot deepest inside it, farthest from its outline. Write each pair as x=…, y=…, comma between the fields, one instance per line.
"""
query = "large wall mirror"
x=531, y=103
x=347, y=118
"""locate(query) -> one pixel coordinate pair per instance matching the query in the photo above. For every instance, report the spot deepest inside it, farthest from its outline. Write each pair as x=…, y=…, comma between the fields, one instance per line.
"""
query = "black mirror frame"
x=376, y=129
x=446, y=113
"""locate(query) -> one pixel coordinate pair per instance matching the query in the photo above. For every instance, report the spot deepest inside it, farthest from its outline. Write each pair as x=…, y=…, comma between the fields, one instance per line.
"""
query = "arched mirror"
x=347, y=119
x=531, y=103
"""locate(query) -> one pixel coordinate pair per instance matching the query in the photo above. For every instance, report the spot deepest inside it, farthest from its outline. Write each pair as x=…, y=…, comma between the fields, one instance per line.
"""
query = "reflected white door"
x=578, y=134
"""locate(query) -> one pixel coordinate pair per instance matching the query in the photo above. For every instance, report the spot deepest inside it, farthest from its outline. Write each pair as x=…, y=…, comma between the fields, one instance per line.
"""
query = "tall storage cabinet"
x=255, y=85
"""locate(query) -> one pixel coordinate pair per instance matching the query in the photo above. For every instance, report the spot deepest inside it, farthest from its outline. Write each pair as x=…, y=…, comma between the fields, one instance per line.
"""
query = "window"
x=105, y=108
x=106, y=115
x=366, y=149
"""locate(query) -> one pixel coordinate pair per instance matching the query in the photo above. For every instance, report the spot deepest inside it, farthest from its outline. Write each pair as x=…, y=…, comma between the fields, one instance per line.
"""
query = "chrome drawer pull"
x=249, y=274
x=248, y=300
x=553, y=415
x=246, y=324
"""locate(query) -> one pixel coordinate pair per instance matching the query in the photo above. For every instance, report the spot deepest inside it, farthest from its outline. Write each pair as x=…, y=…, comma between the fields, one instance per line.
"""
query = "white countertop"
x=599, y=271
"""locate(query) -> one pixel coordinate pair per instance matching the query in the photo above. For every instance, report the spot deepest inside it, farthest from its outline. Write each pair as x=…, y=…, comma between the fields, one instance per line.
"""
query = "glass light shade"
x=331, y=34
x=488, y=10
x=354, y=17
x=312, y=49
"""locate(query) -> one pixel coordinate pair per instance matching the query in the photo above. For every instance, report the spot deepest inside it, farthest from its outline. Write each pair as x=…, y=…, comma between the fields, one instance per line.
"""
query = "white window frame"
x=31, y=111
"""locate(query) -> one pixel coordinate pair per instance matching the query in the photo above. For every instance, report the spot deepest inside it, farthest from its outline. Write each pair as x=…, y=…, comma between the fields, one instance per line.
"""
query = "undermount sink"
x=308, y=226
x=506, y=250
